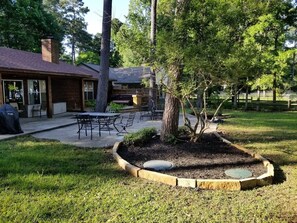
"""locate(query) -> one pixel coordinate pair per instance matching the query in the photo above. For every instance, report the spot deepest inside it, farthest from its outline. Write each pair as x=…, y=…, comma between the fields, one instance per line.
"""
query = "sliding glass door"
x=37, y=92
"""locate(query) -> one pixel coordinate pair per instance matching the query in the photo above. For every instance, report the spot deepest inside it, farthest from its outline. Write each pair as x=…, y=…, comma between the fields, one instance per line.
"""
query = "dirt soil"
x=207, y=159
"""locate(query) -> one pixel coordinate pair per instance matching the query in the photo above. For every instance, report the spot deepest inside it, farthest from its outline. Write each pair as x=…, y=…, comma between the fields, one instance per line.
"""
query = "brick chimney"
x=50, y=50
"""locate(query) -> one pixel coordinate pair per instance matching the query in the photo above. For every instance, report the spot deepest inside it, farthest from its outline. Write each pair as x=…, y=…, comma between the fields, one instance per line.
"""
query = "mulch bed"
x=207, y=159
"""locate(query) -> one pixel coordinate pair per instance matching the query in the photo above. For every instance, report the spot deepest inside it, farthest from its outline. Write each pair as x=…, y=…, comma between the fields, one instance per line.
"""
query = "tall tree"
x=268, y=36
x=152, y=90
x=90, y=51
x=173, y=65
x=73, y=12
x=132, y=40
x=24, y=23
x=71, y=16
x=101, y=100
x=115, y=57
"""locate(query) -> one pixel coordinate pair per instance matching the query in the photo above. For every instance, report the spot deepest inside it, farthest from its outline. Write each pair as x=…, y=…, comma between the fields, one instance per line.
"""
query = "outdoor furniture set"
x=88, y=121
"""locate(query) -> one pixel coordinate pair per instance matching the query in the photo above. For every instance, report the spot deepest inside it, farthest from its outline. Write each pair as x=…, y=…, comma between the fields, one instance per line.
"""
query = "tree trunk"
x=246, y=98
x=258, y=94
x=102, y=92
x=72, y=51
x=199, y=102
x=235, y=97
x=274, y=74
x=274, y=89
x=152, y=90
x=171, y=113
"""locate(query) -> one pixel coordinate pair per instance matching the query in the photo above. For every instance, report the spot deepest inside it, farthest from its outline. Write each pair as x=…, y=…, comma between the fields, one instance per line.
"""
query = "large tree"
x=90, y=51
x=101, y=99
x=172, y=41
x=268, y=36
x=24, y=23
x=133, y=38
x=153, y=88
x=73, y=12
x=208, y=39
x=201, y=44
x=71, y=16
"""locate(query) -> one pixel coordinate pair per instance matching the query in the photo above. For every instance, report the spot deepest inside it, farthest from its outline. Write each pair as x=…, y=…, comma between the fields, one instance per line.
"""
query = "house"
x=28, y=79
x=124, y=82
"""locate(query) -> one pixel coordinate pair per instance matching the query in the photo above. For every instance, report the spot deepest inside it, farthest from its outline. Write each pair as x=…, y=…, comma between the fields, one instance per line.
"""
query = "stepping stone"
x=238, y=173
x=158, y=165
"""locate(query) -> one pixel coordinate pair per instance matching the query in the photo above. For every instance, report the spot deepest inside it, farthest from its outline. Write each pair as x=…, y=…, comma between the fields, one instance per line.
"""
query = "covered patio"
x=31, y=79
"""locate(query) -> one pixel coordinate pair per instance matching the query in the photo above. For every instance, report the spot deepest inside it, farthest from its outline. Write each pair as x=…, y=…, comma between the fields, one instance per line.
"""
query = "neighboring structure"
x=28, y=79
x=123, y=81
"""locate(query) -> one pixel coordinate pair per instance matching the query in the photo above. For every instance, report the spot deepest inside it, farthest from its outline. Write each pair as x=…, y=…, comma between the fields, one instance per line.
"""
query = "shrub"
x=183, y=130
x=139, y=138
x=90, y=103
x=171, y=139
x=114, y=107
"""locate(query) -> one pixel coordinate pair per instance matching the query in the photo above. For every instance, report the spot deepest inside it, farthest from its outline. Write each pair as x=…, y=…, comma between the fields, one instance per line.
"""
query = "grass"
x=45, y=181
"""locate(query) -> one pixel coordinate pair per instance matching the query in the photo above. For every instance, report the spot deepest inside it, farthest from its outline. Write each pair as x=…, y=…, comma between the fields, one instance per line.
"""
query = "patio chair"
x=145, y=113
x=105, y=123
x=122, y=126
x=84, y=123
x=155, y=113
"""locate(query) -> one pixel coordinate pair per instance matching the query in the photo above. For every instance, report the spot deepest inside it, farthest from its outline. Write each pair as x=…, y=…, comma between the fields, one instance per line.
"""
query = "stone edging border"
x=213, y=184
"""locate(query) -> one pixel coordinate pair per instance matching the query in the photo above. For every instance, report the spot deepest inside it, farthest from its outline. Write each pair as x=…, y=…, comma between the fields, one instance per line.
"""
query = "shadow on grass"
x=51, y=165
x=260, y=137
x=279, y=175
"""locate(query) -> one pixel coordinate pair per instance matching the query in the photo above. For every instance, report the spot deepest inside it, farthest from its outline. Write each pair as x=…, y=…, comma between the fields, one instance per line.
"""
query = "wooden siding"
x=69, y=91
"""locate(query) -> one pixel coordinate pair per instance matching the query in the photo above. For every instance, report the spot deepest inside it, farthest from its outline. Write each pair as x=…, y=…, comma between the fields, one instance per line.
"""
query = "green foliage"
x=70, y=15
x=90, y=103
x=132, y=39
x=170, y=139
x=115, y=107
x=145, y=82
x=24, y=23
x=139, y=138
x=183, y=130
x=88, y=57
x=201, y=44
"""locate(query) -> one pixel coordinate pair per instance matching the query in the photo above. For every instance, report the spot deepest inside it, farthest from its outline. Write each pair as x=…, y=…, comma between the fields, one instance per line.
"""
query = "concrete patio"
x=63, y=128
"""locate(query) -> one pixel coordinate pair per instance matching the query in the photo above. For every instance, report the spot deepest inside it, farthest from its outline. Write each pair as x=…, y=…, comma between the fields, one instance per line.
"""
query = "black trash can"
x=9, y=120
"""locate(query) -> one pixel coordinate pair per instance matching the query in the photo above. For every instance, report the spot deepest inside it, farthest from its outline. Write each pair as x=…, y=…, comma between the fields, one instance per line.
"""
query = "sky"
x=94, y=16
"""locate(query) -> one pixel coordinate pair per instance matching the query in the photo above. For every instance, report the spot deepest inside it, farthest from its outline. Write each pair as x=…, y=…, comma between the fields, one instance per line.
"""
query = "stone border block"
x=133, y=170
x=156, y=176
x=270, y=169
x=248, y=183
x=221, y=138
x=244, y=150
x=218, y=184
x=185, y=182
x=264, y=180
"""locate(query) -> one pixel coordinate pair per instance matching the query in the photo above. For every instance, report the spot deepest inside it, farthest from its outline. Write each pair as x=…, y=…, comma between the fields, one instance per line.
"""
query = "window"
x=89, y=90
x=37, y=92
x=13, y=91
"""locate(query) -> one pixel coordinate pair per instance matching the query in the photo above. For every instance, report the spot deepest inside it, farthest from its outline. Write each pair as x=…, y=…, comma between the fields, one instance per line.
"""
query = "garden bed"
x=201, y=165
x=207, y=159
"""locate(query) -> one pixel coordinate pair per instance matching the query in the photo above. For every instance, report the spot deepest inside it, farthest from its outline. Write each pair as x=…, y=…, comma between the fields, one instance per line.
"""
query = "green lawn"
x=45, y=181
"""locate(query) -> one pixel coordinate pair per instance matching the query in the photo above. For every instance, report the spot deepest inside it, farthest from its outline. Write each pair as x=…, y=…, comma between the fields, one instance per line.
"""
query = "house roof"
x=130, y=75
x=12, y=60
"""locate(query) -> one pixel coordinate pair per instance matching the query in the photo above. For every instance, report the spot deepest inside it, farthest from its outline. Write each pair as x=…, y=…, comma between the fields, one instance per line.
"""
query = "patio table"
x=101, y=114
x=106, y=116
